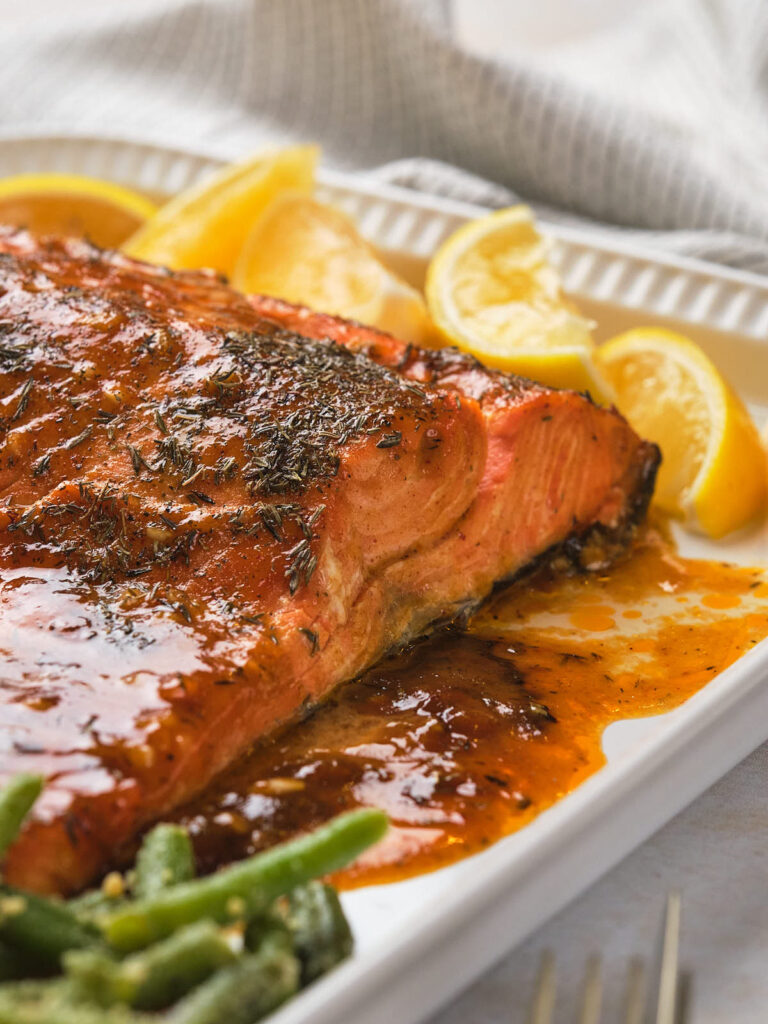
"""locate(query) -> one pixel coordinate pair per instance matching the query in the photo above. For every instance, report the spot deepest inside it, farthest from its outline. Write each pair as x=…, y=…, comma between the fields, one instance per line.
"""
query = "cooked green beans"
x=155, y=977
x=16, y=799
x=94, y=905
x=243, y=993
x=41, y=927
x=318, y=927
x=159, y=945
x=165, y=859
x=254, y=883
x=51, y=1008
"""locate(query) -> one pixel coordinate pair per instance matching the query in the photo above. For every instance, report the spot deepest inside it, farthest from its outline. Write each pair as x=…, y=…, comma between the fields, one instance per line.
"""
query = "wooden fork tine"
x=636, y=997
x=543, y=1004
x=666, y=1008
x=592, y=993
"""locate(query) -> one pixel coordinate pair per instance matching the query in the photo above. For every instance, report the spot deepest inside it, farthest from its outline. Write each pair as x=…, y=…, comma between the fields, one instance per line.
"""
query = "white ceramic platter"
x=421, y=941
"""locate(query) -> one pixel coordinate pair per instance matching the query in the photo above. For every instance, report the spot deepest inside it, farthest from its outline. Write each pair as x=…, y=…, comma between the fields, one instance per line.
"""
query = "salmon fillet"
x=214, y=510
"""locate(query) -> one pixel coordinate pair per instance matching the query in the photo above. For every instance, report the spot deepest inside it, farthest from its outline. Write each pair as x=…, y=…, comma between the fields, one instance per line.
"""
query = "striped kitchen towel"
x=671, y=142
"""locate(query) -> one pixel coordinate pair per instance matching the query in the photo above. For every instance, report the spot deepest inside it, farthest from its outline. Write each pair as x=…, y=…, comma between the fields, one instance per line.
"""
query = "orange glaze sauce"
x=467, y=737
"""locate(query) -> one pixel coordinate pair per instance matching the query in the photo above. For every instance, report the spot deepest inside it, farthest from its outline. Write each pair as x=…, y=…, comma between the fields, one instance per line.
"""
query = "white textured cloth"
x=649, y=117
x=656, y=121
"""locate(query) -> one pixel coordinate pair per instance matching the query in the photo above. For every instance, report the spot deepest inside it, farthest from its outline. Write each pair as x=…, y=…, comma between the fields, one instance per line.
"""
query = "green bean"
x=165, y=859
x=268, y=928
x=245, y=888
x=320, y=931
x=52, y=1002
x=94, y=905
x=41, y=927
x=93, y=901
x=16, y=799
x=243, y=993
x=155, y=977
x=33, y=990
x=30, y=998
x=15, y=964
x=63, y=1012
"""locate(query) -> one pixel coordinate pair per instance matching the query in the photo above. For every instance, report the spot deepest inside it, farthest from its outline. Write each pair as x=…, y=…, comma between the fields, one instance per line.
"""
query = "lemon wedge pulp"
x=206, y=225
x=310, y=253
x=492, y=291
x=75, y=205
x=714, y=473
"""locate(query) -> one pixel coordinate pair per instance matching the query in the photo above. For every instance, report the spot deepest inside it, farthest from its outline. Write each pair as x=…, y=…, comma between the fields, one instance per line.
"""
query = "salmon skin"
x=216, y=509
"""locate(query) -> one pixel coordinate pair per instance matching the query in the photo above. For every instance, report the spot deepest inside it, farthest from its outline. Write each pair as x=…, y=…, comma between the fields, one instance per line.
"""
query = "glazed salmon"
x=214, y=510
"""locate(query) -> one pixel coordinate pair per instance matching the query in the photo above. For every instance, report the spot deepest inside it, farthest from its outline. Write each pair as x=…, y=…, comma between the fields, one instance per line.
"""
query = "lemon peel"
x=714, y=473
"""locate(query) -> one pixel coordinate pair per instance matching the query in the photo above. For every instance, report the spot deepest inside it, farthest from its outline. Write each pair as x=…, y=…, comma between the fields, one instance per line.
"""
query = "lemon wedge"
x=308, y=252
x=206, y=225
x=75, y=205
x=491, y=291
x=713, y=472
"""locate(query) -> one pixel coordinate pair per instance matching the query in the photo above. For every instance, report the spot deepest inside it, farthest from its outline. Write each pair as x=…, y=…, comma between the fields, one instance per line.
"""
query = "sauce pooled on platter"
x=466, y=737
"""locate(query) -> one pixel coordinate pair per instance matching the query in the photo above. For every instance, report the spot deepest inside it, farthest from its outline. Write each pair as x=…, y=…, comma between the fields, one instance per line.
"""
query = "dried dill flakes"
x=405, y=357
x=73, y=442
x=390, y=440
x=312, y=638
x=309, y=399
x=175, y=456
x=272, y=519
x=501, y=783
x=200, y=498
x=542, y=710
x=301, y=564
x=225, y=468
x=99, y=535
x=171, y=451
x=226, y=379
x=316, y=515
x=137, y=459
x=157, y=341
x=283, y=407
x=277, y=520
x=15, y=344
x=195, y=476
x=23, y=399
x=160, y=422
x=183, y=610
x=42, y=465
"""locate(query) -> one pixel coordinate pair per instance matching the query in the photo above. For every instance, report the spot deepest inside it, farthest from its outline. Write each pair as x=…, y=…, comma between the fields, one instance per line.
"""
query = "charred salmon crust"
x=213, y=510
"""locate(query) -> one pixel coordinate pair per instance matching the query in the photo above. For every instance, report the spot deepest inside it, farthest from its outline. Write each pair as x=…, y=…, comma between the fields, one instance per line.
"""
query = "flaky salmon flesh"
x=216, y=509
